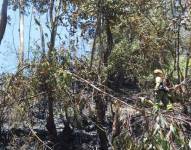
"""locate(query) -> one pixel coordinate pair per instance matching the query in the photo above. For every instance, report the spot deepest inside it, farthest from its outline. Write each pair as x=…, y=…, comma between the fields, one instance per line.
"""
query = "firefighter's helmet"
x=158, y=72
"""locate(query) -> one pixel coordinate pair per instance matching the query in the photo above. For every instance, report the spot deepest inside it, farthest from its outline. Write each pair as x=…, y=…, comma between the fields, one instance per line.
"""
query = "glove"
x=169, y=107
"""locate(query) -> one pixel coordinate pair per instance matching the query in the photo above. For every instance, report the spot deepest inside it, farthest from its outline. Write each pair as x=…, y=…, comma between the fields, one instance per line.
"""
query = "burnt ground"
x=80, y=133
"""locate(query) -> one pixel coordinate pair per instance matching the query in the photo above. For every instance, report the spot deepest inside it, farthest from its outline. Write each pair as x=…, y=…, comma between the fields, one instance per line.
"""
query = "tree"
x=3, y=19
x=21, y=33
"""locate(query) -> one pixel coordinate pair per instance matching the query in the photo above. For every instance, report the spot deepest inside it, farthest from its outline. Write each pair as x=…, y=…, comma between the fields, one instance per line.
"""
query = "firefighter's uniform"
x=161, y=90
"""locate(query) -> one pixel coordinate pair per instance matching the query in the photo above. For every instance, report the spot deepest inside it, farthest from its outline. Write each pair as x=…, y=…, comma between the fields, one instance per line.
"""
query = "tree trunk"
x=100, y=113
x=116, y=124
x=51, y=127
x=109, y=42
x=21, y=33
x=178, y=54
x=3, y=19
x=42, y=36
x=98, y=28
x=50, y=120
x=29, y=40
x=187, y=63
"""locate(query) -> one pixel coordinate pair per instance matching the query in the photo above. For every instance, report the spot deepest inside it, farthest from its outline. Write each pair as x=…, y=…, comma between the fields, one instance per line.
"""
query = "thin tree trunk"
x=98, y=24
x=178, y=54
x=42, y=41
x=30, y=34
x=101, y=54
x=100, y=113
x=175, y=40
x=51, y=127
x=51, y=11
x=174, y=53
x=42, y=37
x=187, y=63
x=116, y=124
x=3, y=19
x=21, y=33
x=109, y=42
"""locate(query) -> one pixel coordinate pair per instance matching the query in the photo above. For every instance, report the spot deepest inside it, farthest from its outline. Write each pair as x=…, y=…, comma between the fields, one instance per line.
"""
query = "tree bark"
x=54, y=24
x=116, y=124
x=187, y=63
x=21, y=33
x=29, y=40
x=51, y=127
x=98, y=25
x=178, y=54
x=100, y=113
x=3, y=19
x=109, y=42
x=42, y=37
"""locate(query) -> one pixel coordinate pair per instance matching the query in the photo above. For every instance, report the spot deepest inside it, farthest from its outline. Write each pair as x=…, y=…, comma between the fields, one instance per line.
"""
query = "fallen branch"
x=38, y=138
x=145, y=112
x=102, y=91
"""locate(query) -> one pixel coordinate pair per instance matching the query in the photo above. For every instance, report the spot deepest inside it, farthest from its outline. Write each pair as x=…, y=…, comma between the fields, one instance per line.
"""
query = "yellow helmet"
x=158, y=71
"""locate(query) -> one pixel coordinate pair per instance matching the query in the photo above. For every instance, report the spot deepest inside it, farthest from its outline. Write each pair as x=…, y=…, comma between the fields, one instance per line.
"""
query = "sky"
x=8, y=57
x=10, y=43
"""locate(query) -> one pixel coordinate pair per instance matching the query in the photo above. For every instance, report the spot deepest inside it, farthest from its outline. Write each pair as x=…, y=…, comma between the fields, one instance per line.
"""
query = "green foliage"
x=162, y=135
x=127, y=58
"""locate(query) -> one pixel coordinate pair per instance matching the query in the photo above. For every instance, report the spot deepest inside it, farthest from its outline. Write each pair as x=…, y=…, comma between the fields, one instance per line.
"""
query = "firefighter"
x=161, y=90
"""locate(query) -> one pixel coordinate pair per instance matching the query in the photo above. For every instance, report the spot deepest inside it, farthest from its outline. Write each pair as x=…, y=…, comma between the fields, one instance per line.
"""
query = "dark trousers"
x=161, y=96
